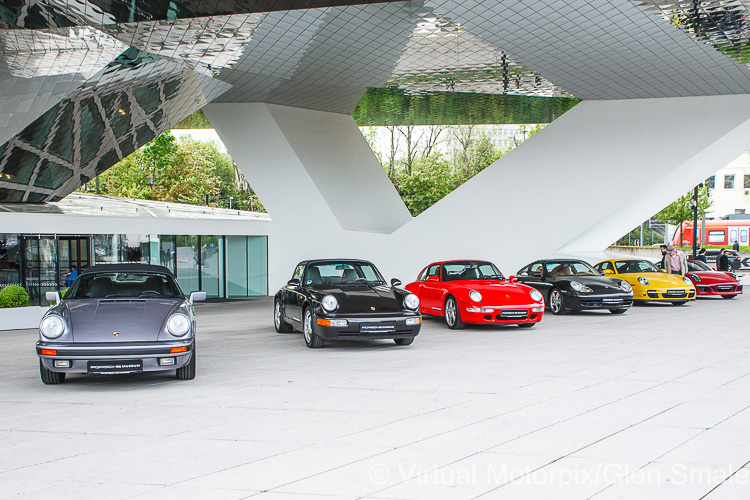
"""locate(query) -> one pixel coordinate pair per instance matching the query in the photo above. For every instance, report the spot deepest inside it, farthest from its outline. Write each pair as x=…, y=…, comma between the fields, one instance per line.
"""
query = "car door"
x=537, y=278
x=431, y=291
x=291, y=297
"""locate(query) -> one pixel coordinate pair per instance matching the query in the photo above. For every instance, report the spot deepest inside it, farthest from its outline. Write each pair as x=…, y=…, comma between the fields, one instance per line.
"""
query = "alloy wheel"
x=555, y=301
x=450, y=312
x=308, y=327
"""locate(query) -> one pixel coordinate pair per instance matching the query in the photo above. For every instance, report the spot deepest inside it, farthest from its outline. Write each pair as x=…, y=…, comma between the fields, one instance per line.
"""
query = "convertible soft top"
x=127, y=268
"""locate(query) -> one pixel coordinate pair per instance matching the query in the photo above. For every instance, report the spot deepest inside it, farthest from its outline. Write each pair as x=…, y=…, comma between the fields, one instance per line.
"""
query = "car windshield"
x=470, y=270
x=342, y=274
x=115, y=285
x=570, y=268
x=696, y=265
x=635, y=266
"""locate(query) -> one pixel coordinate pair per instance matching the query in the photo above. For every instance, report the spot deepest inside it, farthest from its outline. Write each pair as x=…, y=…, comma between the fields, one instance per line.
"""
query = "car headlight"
x=535, y=295
x=643, y=281
x=735, y=276
x=475, y=296
x=52, y=326
x=411, y=301
x=695, y=277
x=178, y=325
x=329, y=303
x=579, y=287
x=626, y=286
x=687, y=280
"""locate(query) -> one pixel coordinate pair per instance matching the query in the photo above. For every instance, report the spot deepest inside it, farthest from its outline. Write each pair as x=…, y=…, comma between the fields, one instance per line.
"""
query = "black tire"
x=728, y=296
x=679, y=302
x=618, y=311
x=730, y=268
x=187, y=372
x=404, y=341
x=452, y=314
x=311, y=338
x=278, y=322
x=526, y=325
x=556, y=301
x=49, y=377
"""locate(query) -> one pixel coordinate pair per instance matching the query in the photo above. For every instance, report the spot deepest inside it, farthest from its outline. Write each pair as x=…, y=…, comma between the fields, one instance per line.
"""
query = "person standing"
x=736, y=246
x=663, y=249
x=72, y=276
x=675, y=262
x=702, y=256
x=722, y=261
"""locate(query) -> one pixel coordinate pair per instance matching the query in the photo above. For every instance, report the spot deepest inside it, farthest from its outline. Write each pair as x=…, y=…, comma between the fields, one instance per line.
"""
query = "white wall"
x=573, y=188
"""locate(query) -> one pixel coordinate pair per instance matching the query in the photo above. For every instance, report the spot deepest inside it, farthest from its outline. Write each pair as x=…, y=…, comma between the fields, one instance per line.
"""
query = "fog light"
x=479, y=309
x=62, y=363
x=333, y=322
x=167, y=361
x=537, y=309
x=413, y=321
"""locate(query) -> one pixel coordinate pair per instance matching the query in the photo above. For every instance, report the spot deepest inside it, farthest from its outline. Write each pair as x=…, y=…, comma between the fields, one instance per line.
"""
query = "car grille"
x=605, y=303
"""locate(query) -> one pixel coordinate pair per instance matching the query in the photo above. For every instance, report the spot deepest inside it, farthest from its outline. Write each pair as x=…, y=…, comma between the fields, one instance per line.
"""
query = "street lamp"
x=230, y=202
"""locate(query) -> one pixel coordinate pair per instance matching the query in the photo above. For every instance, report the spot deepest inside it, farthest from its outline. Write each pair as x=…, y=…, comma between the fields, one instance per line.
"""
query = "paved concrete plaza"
x=653, y=404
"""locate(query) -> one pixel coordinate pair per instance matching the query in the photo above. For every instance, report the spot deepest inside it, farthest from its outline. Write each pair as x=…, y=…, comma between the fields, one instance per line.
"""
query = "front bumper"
x=591, y=301
x=147, y=353
x=501, y=315
x=367, y=327
x=666, y=295
x=719, y=289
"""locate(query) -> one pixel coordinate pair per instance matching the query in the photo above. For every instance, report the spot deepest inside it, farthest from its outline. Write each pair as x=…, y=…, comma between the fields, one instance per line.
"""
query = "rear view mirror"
x=293, y=282
x=433, y=278
x=197, y=297
x=395, y=282
x=53, y=296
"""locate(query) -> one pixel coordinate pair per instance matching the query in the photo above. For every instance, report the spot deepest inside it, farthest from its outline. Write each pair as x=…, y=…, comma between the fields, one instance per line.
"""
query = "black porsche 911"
x=573, y=285
x=345, y=299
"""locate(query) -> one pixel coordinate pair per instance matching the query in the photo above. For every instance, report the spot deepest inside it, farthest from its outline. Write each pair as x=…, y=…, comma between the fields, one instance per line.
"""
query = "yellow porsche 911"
x=648, y=282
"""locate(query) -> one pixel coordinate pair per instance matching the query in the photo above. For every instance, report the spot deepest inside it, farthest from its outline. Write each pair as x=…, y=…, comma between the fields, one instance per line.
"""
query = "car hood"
x=496, y=291
x=708, y=277
x=656, y=279
x=365, y=299
x=134, y=320
x=598, y=284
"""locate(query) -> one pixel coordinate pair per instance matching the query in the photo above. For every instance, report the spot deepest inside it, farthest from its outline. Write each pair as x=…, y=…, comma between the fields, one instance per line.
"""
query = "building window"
x=739, y=210
x=729, y=181
x=747, y=181
x=711, y=182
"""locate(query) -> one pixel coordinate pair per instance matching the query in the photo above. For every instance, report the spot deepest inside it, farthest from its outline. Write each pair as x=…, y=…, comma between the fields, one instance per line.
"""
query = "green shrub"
x=13, y=296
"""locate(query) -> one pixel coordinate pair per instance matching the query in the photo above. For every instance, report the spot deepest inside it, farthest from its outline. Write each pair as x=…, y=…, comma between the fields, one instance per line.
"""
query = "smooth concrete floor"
x=653, y=404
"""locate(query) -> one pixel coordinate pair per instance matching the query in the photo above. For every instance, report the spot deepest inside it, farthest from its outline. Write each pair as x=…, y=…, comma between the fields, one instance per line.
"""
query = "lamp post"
x=695, y=221
x=230, y=202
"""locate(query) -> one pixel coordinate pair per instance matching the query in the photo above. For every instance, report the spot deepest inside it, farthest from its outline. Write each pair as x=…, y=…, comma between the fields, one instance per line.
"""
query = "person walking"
x=736, y=246
x=702, y=256
x=722, y=261
x=675, y=261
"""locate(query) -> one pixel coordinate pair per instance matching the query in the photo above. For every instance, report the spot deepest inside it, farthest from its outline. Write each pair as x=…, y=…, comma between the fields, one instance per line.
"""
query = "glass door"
x=73, y=256
x=40, y=269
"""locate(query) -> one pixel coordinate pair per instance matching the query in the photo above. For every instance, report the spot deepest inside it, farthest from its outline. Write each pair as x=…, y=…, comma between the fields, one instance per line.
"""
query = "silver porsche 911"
x=119, y=318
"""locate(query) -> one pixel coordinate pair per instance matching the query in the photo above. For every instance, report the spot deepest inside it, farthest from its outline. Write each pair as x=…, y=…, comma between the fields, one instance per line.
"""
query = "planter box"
x=21, y=318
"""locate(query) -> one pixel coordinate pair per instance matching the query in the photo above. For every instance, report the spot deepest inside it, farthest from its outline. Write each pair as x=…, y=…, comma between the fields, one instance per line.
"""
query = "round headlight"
x=535, y=295
x=178, y=324
x=329, y=303
x=625, y=286
x=52, y=326
x=579, y=287
x=475, y=296
x=643, y=281
x=695, y=277
x=687, y=280
x=411, y=301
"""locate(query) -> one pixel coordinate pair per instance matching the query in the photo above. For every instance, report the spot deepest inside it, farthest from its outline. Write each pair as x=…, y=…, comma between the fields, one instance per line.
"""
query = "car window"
x=524, y=271
x=694, y=265
x=423, y=275
x=433, y=270
x=342, y=273
x=115, y=285
x=570, y=268
x=604, y=265
x=635, y=266
x=298, y=272
x=470, y=270
x=537, y=268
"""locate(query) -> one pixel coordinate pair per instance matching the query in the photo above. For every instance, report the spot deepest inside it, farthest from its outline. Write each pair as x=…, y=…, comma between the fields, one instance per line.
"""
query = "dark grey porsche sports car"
x=119, y=318
x=345, y=299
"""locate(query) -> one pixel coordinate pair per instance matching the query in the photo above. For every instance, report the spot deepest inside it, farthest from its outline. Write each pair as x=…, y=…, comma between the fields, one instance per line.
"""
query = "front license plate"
x=514, y=314
x=385, y=327
x=724, y=288
x=612, y=301
x=675, y=293
x=110, y=367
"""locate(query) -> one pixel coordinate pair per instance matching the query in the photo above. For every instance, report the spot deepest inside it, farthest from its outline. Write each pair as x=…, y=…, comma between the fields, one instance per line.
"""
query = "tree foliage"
x=681, y=209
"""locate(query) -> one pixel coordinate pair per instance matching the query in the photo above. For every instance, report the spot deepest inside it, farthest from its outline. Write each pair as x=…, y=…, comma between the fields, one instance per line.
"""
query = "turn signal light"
x=49, y=352
x=324, y=322
x=178, y=349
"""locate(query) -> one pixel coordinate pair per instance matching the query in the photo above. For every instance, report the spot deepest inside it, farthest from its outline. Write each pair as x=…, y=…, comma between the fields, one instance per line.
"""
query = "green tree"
x=431, y=180
x=681, y=209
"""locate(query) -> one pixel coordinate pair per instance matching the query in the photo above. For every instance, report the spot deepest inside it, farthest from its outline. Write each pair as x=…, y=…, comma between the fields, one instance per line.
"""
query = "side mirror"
x=197, y=297
x=395, y=282
x=608, y=271
x=293, y=282
x=513, y=279
x=536, y=274
x=433, y=278
x=53, y=296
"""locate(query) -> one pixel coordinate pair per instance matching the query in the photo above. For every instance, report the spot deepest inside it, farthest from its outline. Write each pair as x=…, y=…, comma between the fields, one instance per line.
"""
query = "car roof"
x=127, y=268
x=316, y=261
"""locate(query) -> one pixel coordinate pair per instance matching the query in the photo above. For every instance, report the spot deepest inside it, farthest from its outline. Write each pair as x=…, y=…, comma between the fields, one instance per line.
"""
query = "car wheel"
x=679, y=302
x=618, y=311
x=556, y=301
x=278, y=322
x=526, y=325
x=187, y=372
x=453, y=315
x=730, y=267
x=404, y=341
x=728, y=296
x=49, y=377
x=311, y=338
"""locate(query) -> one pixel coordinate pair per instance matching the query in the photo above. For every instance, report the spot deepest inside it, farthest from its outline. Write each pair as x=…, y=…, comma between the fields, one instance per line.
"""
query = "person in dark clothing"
x=663, y=249
x=722, y=261
x=702, y=255
x=736, y=246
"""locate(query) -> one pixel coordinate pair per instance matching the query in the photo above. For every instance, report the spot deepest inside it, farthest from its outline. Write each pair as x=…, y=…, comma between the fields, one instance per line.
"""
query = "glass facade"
x=222, y=266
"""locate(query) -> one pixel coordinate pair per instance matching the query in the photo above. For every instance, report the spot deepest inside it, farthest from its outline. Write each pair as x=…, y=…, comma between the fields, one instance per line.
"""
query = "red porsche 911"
x=475, y=291
x=710, y=282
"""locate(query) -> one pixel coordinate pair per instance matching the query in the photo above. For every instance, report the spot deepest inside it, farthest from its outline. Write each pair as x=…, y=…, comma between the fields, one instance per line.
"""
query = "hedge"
x=13, y=296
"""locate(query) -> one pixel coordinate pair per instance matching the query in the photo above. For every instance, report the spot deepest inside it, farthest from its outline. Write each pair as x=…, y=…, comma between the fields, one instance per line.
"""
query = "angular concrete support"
x=573, y=188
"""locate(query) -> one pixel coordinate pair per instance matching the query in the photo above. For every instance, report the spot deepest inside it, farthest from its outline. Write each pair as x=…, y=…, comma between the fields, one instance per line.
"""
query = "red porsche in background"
x=475, y=291
x=710, y=282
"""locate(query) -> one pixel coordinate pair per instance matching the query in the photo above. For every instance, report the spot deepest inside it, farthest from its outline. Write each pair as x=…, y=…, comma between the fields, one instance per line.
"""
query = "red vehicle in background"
x=710, y=282
x=723, y=232
x=475, y=291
